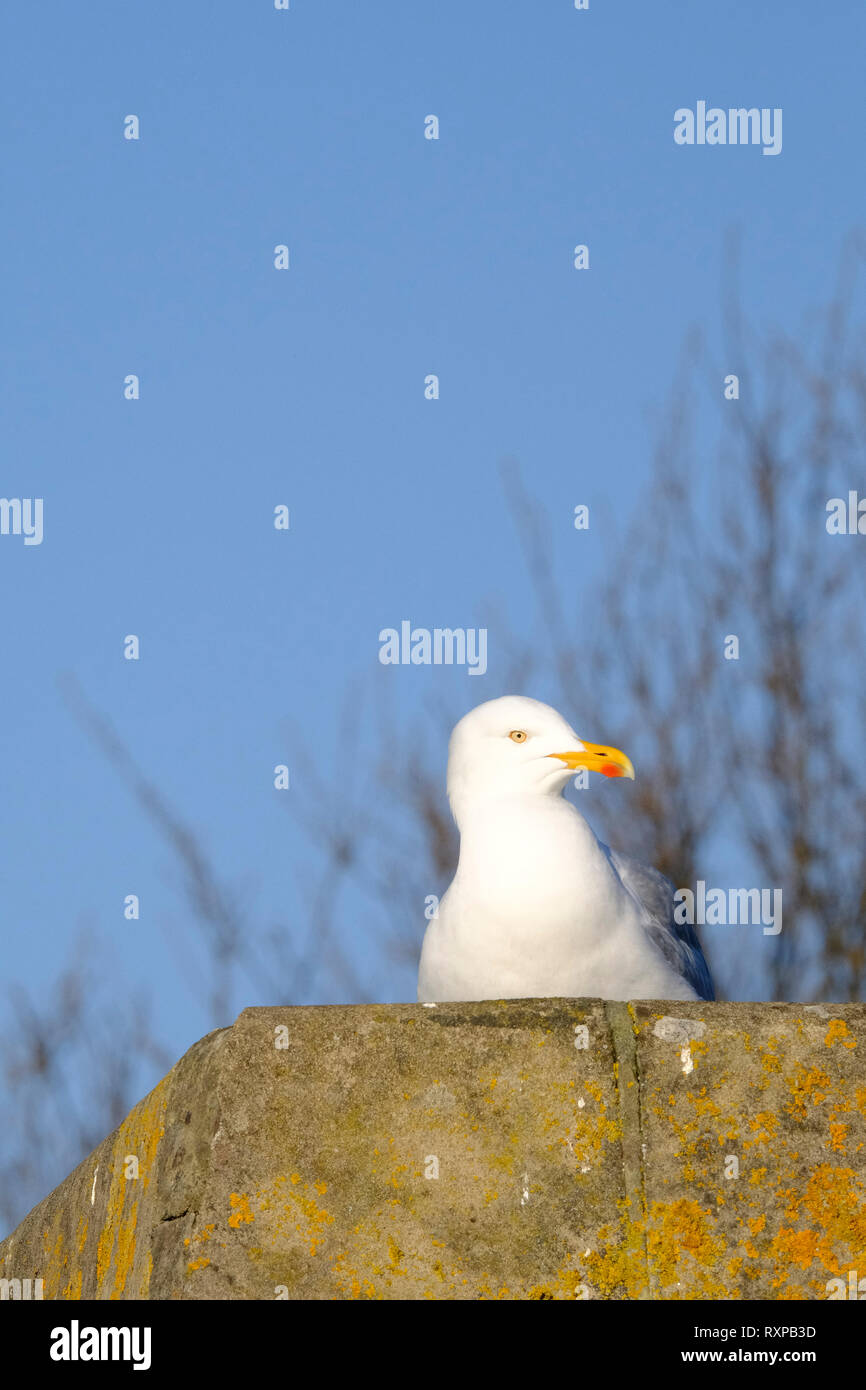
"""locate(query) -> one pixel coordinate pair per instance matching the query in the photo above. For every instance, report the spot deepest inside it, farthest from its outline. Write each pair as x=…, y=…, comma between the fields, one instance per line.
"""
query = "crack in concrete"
x=627, y=1077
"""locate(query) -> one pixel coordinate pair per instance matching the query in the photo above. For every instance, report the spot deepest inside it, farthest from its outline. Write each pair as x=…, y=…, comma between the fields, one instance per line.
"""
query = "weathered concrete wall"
x=529, y=1149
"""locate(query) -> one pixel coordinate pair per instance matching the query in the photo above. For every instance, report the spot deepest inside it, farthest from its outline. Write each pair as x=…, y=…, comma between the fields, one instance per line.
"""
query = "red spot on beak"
x=611, y=770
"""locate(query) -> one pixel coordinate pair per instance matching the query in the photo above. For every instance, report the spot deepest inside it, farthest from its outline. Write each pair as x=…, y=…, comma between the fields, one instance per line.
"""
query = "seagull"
x=539, y=907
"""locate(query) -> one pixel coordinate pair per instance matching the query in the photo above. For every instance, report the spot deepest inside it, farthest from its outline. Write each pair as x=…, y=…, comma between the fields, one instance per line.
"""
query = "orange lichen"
x=139, y=1135
x=683, y=1233
x=808, y=1086
x=240, y=1205
x=837, y=1031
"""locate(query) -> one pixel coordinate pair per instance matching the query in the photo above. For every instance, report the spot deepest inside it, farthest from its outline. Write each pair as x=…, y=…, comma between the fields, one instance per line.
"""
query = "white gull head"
x=517, y=747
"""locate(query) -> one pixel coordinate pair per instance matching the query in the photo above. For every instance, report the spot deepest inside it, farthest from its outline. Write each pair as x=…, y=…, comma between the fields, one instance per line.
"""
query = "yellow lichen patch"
x=485, y=1293
x=834, y=1198
x=351, y=1283
x=796, y=1247
x=770, y=1060
x=618, y=1267
x=703, y=1104
x=797, y=1295
x=293, y=1208
x=52, y=1239
x=373, y=1265
x=837, y=1031
x=838, y=1136
x=819, y=1222
x=504, y=1162
x=568, y=1284
x=763, y=1127
x=139, y=1134
x=696, y=1050
x=201, y=1238
x=809, y=1087
x=240, y=1204
x=687, y=1134
x=684, y=1248
x=590, y=1129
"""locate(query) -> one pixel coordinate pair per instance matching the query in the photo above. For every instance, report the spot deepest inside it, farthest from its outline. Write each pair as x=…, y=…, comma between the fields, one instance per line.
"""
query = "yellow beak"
x=609, y=761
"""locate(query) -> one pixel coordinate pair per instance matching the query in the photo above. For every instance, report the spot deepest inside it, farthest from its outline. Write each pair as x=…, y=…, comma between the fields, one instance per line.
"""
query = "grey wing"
x=677, y=941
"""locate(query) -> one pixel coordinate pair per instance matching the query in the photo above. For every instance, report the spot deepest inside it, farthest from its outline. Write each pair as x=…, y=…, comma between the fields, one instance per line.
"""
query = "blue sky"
x=305, y=387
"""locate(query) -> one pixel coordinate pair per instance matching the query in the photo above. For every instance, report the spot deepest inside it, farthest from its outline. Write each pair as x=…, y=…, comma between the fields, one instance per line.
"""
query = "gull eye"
x=517, y=736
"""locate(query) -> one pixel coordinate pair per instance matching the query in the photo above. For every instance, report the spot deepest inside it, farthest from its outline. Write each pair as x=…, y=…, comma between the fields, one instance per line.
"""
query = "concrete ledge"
x=549, y=1149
